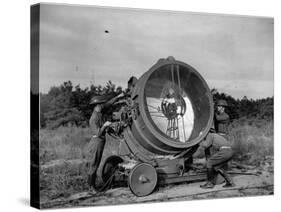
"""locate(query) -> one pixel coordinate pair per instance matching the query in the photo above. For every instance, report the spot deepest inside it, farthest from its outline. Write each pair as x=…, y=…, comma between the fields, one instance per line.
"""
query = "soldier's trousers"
x=94, y=153
x=219, y=159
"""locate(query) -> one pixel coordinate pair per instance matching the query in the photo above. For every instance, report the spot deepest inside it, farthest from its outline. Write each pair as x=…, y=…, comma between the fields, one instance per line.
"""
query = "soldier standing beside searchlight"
x=221, y=118
x=98, y=127
x=131, y=85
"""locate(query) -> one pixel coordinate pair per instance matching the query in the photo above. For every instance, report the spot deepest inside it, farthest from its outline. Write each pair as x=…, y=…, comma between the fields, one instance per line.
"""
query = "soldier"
x=98, y=126
x=218, y=152
x=221, y=118
x=131, y=84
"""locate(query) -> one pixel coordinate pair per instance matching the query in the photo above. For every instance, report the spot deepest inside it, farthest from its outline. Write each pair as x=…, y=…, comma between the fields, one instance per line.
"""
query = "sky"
x=234, y=54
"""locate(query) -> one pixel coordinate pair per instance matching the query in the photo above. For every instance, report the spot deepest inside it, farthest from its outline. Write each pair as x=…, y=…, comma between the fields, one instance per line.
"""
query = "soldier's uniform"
x=94, y=149
x=221, y=120
x=218, y=152
x=131, y=85
x=96, y=145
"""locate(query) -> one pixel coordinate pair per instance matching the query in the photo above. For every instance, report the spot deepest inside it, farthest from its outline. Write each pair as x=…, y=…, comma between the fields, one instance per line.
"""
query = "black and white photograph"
x=144, y=105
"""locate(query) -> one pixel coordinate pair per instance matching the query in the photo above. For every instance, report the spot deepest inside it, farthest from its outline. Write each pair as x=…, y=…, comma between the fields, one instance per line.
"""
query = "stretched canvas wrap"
x=133, y=105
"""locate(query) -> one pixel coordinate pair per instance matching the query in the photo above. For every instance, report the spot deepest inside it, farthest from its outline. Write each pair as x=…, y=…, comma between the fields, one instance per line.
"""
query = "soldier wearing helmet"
x=131, y=85
x=218, y=152
x=221, y=118
x=98, y=126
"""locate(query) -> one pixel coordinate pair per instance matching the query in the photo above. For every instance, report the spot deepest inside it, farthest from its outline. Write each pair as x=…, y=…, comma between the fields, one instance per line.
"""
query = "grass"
x=61, y=173
x=62, y=161
x=252, y=143
x=62, y=143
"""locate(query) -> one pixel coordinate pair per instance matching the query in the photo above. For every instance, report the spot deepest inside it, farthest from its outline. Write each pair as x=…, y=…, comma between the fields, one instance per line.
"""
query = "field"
x=62, y=156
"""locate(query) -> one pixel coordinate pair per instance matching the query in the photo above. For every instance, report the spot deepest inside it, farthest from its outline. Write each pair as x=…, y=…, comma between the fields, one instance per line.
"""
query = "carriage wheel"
x=109, y=167
x=142, y=179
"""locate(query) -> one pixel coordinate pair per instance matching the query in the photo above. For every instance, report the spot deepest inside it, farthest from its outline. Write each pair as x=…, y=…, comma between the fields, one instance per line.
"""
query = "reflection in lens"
x=172, y=112
x=168, y=104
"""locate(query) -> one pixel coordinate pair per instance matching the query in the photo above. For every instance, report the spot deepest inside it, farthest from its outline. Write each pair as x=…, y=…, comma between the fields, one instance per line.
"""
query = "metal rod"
x=174, y=129
x=158, y=116
x=178, y=74
x=155, y=112
x=183, y=128
x=170, y=128
x=167, y=131
x=178, y=131
x=172, y=70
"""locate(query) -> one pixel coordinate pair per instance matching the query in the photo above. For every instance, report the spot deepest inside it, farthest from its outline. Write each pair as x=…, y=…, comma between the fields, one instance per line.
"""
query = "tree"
x=68, y=105
x=246, y=108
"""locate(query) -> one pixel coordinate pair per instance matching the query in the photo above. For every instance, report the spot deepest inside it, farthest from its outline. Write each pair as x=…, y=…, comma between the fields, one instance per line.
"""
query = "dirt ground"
x=251, y=183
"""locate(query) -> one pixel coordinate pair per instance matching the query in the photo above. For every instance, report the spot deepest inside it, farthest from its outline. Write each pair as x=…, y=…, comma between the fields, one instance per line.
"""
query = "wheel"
x=110, y=166
x=142, y=179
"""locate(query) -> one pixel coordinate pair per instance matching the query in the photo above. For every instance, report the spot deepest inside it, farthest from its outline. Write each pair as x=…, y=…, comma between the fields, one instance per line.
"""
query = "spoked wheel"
x=142, y=179
x=110, y=166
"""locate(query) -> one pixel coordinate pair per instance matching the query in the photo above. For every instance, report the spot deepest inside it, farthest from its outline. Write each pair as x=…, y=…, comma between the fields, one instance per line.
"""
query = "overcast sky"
x=234, y=54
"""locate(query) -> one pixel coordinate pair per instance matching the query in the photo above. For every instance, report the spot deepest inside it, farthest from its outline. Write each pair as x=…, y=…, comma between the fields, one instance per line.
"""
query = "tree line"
x=68, y=105
x=260, y=109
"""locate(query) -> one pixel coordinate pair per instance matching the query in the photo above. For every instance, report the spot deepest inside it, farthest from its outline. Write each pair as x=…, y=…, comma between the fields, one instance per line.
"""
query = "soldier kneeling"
x=218, y=152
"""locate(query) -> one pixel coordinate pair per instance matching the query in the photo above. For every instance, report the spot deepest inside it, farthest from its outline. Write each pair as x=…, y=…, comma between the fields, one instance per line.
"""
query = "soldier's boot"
x=210, y=179
x=228, y=180
x=92, y=177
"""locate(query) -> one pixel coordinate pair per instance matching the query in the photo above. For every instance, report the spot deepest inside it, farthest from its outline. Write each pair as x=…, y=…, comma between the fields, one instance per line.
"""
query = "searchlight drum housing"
x=175, y=108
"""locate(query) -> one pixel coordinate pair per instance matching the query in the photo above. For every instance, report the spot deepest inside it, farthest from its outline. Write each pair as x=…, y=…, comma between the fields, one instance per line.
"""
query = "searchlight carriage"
x=168, y=113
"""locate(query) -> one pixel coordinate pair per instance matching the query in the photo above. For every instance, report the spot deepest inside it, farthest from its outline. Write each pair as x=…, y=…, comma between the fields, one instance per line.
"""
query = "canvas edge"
x=34, y=105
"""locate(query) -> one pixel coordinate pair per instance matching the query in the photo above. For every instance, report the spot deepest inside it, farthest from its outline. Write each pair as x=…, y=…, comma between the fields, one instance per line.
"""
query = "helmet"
x=132, y=81
x=170, y=58
x=222, y=102
x=98, y=100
